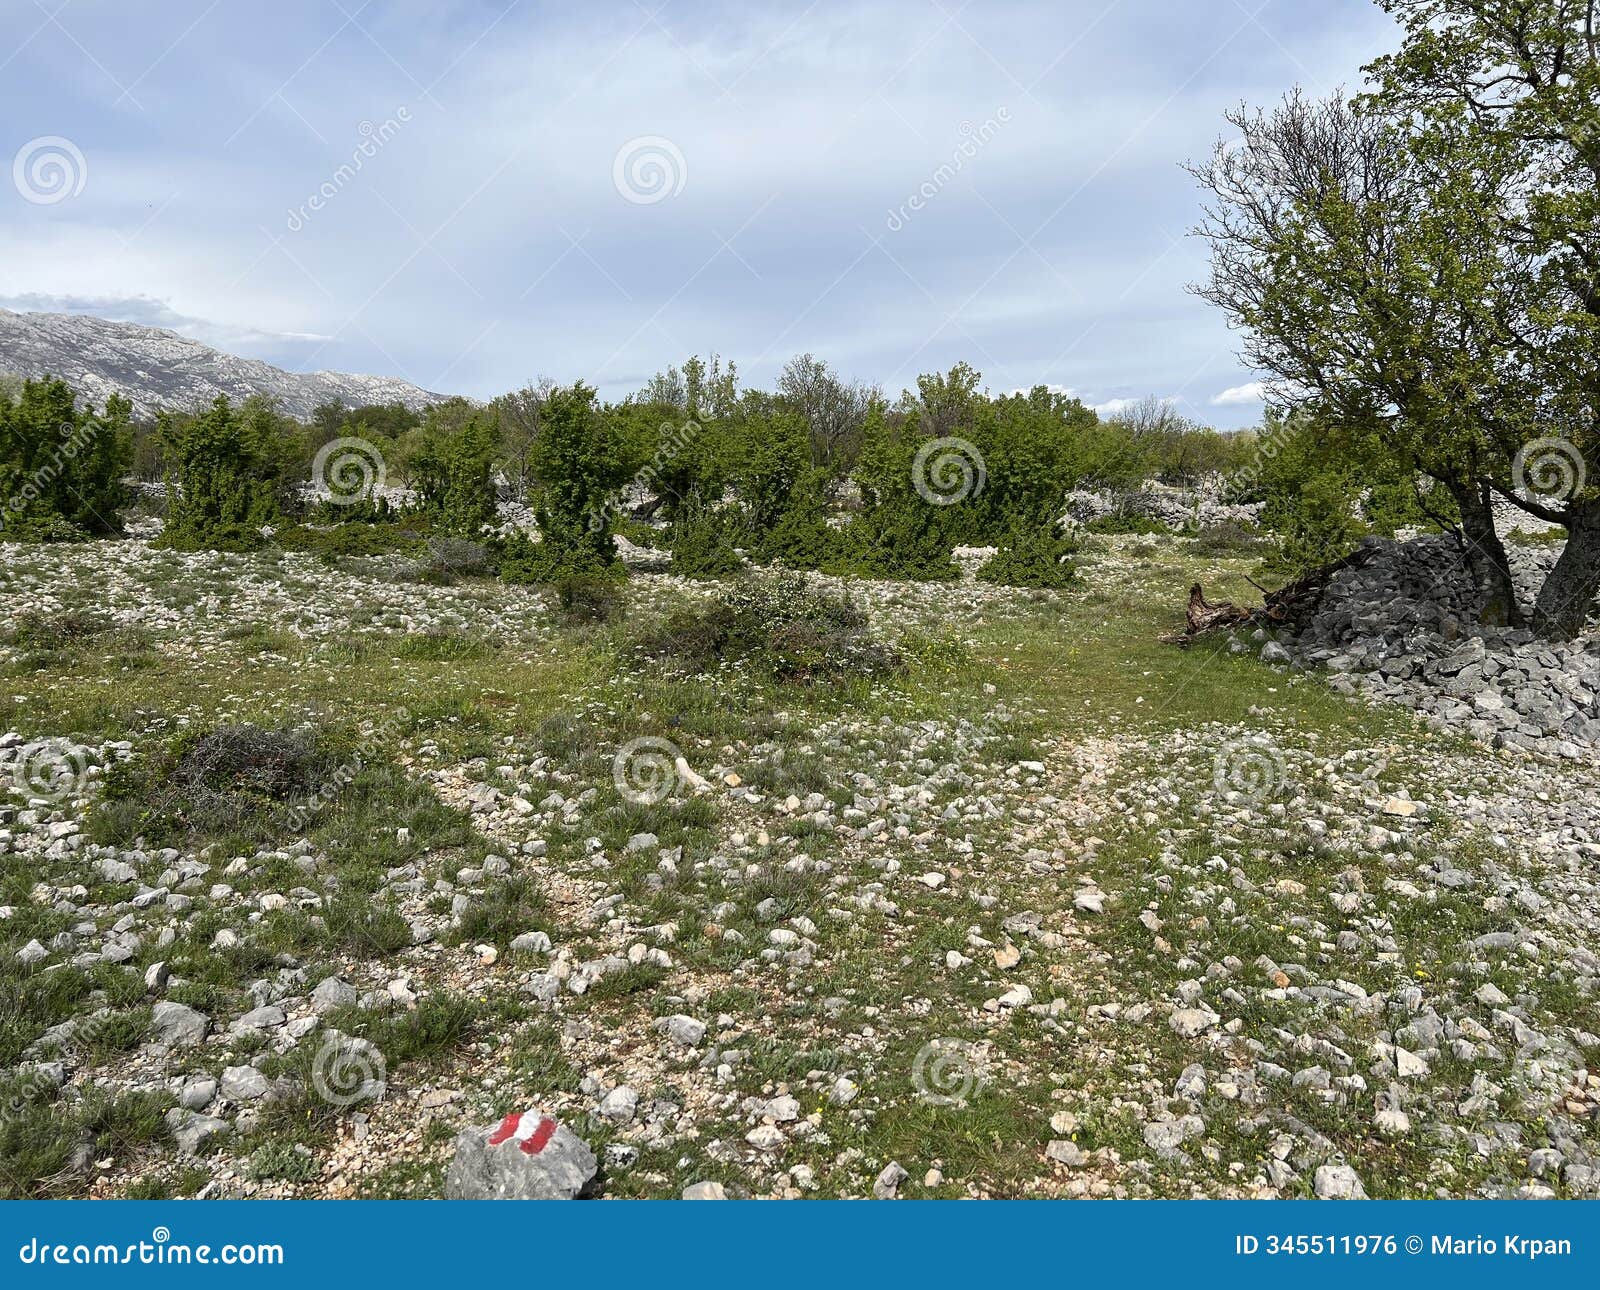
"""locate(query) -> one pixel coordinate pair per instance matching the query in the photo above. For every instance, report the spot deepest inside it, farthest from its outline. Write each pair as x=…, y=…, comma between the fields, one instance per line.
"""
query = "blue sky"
x=507, y=190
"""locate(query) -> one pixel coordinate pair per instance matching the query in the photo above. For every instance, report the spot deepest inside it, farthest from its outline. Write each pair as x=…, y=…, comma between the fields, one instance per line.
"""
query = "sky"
x=471, y=194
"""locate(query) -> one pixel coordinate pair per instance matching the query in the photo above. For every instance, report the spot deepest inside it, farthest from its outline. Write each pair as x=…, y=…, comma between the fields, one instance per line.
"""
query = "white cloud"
x=147, y=311
x=1065, y=390
x=1233, y=396
x=1116, y=407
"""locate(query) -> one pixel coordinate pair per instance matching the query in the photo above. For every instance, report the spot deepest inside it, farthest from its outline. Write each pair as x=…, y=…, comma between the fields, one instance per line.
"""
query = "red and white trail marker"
x=528, y=1129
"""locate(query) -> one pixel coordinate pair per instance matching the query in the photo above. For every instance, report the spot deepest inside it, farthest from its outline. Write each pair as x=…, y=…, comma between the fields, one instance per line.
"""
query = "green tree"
x=1372, y=283
x=583, y=456
x=61, y=466
x=227, y=474
x=451, y=466
x=1505, y=94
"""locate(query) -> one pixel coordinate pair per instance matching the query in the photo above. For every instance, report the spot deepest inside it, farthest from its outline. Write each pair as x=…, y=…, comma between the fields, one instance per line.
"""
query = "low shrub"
x=1125, y=522
x=1036, y=555
x=585, y=598
x=702, y=541
x=234, y=781
x=1229, y=537
x=778, y=626
x=348, y=539
x=524, y=561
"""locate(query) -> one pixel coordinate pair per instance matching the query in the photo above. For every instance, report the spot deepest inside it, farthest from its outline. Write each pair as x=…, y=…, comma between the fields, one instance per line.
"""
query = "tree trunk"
x=1486, y=556
x=1569, y=592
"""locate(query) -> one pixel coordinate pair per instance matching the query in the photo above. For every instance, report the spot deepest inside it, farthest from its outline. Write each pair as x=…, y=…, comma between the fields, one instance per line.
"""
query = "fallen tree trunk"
x=1289, y=606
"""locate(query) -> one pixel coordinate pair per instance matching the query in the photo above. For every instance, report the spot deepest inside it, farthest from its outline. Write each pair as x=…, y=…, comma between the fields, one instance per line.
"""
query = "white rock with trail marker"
x=527, y=1156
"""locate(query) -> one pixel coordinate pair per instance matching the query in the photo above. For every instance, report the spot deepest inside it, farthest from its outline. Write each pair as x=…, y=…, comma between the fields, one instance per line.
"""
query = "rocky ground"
x=1403, y=629
x=1055, y=911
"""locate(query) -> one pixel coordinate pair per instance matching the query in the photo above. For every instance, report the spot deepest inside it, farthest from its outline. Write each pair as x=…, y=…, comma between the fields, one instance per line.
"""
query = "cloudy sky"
x=472, y=193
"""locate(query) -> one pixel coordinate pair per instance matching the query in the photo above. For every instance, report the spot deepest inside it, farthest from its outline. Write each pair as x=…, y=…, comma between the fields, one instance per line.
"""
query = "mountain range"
x=155, y=369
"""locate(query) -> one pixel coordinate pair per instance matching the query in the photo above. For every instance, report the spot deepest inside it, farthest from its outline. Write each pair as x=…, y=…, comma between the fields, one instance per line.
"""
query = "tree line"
x=819, y=473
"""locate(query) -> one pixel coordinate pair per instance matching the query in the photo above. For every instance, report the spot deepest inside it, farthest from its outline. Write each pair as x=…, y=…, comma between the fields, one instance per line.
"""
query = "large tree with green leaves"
x=1372, y=285
x=1424, y=266
x=1511, y=88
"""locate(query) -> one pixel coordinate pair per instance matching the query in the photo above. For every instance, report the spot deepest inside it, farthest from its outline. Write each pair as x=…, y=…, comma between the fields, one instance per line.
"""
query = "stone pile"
x=1180, y=509
x=1402, y=628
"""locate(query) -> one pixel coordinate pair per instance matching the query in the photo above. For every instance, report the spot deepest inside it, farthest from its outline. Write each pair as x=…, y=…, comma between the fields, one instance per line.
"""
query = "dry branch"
x=1289, y=606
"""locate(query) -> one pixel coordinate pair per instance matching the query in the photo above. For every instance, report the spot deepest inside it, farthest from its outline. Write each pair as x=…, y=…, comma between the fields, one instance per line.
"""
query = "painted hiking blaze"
x=528, y=1129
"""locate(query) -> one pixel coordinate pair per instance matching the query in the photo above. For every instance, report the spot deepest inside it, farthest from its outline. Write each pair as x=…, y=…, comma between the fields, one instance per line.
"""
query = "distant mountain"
x=155, y=369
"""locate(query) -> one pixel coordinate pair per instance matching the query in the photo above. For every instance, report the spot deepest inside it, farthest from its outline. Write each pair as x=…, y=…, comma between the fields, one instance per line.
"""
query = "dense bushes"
x=819, y=475
x=1032, y=555
x=1320, y=503
x=229, y=473
x=61, y=465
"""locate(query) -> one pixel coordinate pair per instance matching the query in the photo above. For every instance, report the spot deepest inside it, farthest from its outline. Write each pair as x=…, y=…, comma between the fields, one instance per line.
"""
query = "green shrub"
x=702, y=540
x=1032, y=555
x=587, y=598
x=349, y=539
x=552, y=562
x=235, y=781
x=779, y=626
x=1229, y=537
x=228, y=472
x=1125, y=522
x=61, y=466
x=452, y=465
x=582, y=457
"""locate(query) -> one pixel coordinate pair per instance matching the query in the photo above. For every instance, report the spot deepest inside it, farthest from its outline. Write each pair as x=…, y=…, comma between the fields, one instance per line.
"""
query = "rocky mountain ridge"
x=154, y=368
